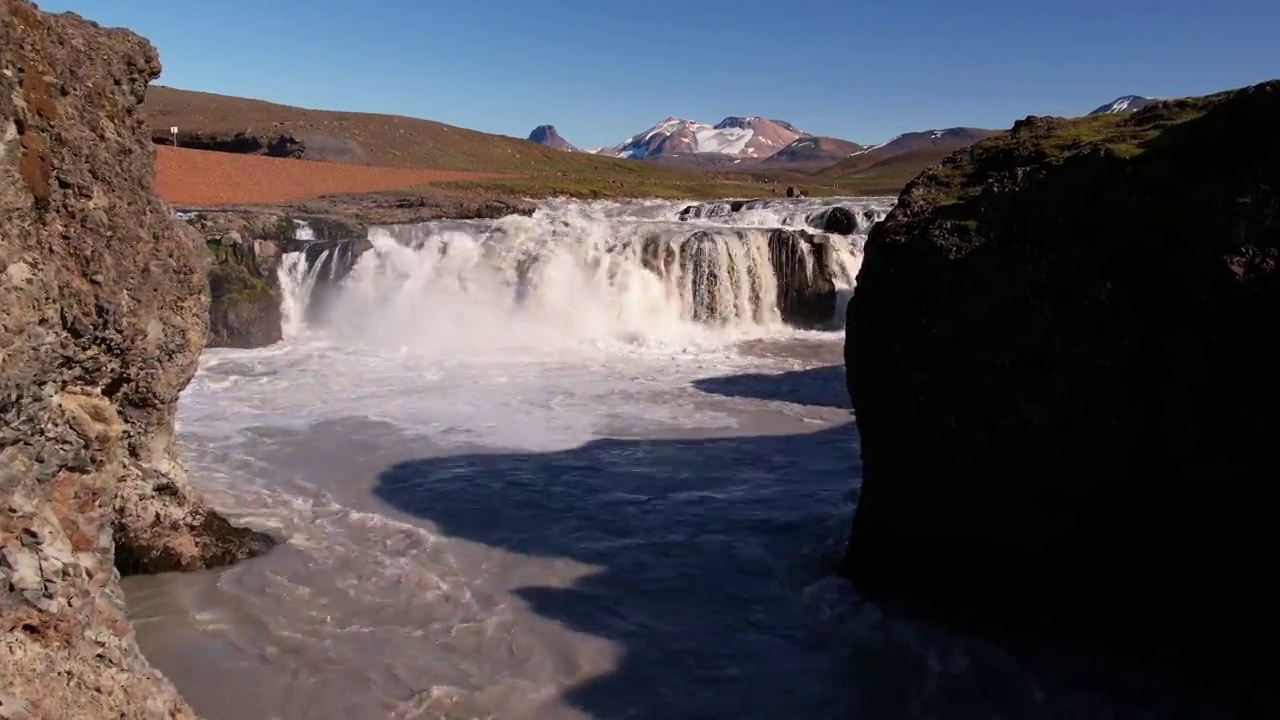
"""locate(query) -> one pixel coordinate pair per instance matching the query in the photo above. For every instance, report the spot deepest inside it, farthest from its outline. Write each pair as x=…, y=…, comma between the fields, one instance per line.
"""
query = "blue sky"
x=600, y=70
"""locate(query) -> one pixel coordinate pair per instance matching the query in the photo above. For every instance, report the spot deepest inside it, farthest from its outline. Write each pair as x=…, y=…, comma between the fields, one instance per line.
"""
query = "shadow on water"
x=821, y=387
x=716, y=583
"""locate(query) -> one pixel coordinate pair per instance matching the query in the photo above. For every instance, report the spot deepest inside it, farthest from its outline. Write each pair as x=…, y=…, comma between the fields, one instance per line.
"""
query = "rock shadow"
x=820, y=386
x=716, y=582
x=707, y=547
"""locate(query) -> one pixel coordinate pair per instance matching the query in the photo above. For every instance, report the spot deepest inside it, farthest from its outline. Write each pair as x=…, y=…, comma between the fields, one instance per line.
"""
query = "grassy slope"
x=1055, y=140
x=395, y=141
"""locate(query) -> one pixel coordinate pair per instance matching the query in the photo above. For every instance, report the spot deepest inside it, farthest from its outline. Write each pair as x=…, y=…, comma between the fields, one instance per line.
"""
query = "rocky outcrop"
x=838, y=220
x=102, y=315
x=247, y=143
x=803, y=266
x=245, y=251
x=1062, y=359
x=547, y=135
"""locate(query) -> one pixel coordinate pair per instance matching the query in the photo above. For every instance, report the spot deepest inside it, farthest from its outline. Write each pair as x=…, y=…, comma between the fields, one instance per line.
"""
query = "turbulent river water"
x=521, y=474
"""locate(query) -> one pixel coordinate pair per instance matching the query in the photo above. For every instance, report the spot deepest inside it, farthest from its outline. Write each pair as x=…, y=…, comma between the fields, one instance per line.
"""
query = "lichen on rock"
x=103, y=303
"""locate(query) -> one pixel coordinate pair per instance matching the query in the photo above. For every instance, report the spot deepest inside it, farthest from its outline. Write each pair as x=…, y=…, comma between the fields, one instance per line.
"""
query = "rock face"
x=102, y=315
x=1062, y=359
x=245, y=252
x=803, y=266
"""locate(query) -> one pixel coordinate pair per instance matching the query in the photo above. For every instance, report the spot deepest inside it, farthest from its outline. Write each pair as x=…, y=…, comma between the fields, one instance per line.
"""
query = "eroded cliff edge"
x=103, y=310
x=1062, y=359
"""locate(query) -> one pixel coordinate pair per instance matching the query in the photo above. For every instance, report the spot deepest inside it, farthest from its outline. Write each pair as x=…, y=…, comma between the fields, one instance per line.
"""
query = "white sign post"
x=174, y=132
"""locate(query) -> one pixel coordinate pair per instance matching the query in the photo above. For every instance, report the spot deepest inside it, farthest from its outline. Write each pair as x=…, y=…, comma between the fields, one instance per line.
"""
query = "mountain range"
x=742, y=142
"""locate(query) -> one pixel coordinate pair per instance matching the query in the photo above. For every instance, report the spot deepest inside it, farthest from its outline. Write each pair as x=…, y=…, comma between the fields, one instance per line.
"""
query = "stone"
x=836, y=220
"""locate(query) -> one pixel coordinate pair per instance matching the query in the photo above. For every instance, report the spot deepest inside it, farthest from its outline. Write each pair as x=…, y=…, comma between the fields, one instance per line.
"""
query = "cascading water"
x=583, y=273
x=550, y=468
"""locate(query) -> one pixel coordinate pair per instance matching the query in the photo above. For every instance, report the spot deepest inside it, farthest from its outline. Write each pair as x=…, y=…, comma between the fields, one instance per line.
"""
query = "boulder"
x=103, y=303
x=1062, y=360
x=802, y=265
x=836, y=220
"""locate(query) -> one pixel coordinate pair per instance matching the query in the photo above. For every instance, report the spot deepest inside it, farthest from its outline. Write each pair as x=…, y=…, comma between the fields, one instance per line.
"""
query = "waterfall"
x=577, y=272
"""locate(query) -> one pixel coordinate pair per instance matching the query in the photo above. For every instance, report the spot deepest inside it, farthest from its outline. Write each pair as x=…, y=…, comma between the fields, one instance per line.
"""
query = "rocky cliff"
x=1062, y=359
x=103, y=304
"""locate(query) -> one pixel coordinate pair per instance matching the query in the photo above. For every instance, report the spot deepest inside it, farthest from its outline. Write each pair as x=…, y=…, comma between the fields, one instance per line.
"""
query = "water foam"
x=573, y=275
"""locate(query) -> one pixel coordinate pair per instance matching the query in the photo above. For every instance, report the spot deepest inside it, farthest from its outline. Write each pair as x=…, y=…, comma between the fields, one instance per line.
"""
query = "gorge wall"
x=103, y=311
x=1062, y=359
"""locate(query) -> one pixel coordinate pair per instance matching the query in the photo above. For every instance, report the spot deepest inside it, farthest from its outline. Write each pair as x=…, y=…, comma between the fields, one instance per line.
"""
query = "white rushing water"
x=567, y=466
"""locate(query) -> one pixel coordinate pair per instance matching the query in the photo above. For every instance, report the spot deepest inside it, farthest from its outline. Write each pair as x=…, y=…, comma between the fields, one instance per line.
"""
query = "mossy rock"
x=244, y=308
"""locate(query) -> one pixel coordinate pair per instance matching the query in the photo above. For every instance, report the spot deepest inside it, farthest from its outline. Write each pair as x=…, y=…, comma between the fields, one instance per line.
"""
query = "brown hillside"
x=890, y=174
x=890, y=166
x=812, y=152
x=210, y=121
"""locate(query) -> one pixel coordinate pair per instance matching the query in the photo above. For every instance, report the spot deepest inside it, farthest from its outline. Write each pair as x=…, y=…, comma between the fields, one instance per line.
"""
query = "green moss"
x=233, y=271
x=1042, y=142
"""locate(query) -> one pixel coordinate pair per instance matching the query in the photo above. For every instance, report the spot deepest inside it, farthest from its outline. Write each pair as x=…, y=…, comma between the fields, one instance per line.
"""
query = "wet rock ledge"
x=1062, y=357
x=103, y=306
x=245, y=250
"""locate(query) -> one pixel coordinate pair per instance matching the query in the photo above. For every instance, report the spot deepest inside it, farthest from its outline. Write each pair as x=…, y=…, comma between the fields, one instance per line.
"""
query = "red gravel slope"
x=203, y=178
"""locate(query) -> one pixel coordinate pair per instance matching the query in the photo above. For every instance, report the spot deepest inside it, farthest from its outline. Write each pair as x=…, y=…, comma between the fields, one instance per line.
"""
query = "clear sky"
x=601, y=70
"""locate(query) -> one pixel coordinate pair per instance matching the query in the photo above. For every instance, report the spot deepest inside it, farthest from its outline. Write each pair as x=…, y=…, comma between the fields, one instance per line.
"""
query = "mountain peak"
x=1125, y=104
x=547, y=135
x=733, y=138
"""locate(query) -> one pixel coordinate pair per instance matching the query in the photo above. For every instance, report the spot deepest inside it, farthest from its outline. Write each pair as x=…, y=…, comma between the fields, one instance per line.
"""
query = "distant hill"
x=1125, y=104
x=890, y=165
x=812, y=151
x=547, y=135
x=208, y=121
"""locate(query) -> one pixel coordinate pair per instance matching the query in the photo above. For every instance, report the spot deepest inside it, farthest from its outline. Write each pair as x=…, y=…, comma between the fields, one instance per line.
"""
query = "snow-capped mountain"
x=735, y=137
x=1126, y=104
x=547, y=135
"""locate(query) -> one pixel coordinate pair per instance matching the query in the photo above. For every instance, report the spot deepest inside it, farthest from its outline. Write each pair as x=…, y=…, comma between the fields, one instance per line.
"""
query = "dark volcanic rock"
x=1062, y=359
x=102, y=317
x=806, y=290
x=837, y=220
